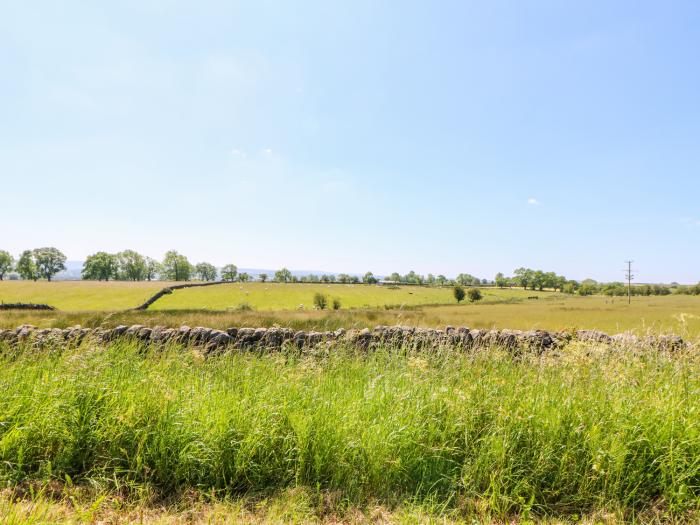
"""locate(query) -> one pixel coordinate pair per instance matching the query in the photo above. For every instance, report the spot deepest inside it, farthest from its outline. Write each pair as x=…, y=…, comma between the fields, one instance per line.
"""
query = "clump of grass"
x=546, y=435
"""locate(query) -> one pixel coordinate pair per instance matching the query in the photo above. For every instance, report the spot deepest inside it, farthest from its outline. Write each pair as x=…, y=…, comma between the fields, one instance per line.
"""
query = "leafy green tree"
x=395, y=277
x=441, y=280
x=501, y=280
x=100, y=266
x=229, y=272
x=369, y=278
x=176, y=267
x=49, y=261
x=26, y=266
x=523, y=277
x=320, y=301
x=570, y=287
x=205, y=271
x=132, y=266
x=283, y=276
x=413, y=278
x=474, y=295
x=6, y=263
x=466, y=279
x=244, y=277
x=263, y=277
x=343, y=278
x=458, y=292
x=152, y=269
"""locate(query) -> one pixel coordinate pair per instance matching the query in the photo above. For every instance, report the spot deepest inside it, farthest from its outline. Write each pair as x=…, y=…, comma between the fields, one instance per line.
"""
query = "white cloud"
x=238, y=153
x=267, y=152
x=533, y=202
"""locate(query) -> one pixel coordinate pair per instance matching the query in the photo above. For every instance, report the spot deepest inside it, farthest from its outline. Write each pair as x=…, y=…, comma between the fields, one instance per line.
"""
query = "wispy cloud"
x=238, y=153
x=533, y=201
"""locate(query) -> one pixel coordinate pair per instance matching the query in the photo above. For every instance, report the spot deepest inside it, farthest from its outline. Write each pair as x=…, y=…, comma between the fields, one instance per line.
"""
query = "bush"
x=245, y=307
x=474, y=294
x=336, y=304
x=320, y=301
x=458, y=292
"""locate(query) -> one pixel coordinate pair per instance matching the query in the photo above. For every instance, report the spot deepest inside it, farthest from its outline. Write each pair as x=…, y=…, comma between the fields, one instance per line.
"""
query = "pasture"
x=80, y=295
x=295, y=296
x=267, y=304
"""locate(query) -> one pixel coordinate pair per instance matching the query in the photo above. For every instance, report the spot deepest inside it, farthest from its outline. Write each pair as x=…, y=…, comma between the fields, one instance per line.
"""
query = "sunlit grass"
x=593, y=428
x=673, y=314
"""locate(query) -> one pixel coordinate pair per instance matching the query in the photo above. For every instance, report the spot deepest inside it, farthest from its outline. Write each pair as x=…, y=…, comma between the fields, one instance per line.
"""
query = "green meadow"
x=439, y=435
x=267, y=304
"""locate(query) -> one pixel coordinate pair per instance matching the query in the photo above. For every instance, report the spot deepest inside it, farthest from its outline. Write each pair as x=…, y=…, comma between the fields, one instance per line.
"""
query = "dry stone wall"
x=212, y=340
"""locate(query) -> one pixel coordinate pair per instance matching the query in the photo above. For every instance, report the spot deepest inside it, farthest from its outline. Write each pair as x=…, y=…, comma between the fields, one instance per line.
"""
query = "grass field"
x=460, y=435
x=273, y=296
x=94, y=304
x=119, y=295
x=80, y=295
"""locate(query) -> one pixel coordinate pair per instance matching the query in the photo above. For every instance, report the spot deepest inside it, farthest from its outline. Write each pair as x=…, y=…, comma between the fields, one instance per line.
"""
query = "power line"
x=629, y=276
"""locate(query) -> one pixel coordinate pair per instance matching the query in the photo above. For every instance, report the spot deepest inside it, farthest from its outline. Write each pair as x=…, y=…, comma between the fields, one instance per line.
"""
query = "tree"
x=263, y=277
x=229, y=272
x=6, y=263
x=501, y=280
x=320, y=301
x=26, y=266
x=244, y=277
x=176, y=267
x=395, y=277
x=458, y=292
x=100, y=266
x=151, y=269
x=466, y=279
x=132, y=266
x=413, y=278
x=474, y=295
x=49, y=261
x=283, y=276
x=523, y=277
x=343, y=278
x=441, y=280
x=205, y=271
x=369, y=278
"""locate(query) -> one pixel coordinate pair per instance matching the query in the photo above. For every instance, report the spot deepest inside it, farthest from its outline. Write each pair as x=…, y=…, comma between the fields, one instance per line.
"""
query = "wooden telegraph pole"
x=629, y=276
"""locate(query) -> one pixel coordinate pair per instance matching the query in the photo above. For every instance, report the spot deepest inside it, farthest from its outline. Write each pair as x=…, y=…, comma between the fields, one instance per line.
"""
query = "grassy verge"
x=467, y=434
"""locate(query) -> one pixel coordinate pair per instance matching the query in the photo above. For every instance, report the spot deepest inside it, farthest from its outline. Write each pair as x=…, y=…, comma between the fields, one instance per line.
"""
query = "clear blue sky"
x=439, y=137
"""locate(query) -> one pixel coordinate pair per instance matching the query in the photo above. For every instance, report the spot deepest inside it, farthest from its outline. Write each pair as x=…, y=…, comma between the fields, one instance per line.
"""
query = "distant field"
x=94, y=304
x=80, y=295
x=274, y=296
x=119, y=295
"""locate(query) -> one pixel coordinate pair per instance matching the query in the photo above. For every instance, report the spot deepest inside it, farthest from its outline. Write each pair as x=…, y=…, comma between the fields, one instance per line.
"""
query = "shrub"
x=336, y=304
x=458, y=292
x=245, y=307
x=320, y=301
x=474, y=294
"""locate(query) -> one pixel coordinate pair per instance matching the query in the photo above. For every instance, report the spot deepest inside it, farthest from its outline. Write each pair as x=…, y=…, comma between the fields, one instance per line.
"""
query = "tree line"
x=129, y=265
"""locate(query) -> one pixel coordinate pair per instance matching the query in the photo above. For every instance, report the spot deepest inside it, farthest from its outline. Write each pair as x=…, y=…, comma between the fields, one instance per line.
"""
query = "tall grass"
x=592, y=428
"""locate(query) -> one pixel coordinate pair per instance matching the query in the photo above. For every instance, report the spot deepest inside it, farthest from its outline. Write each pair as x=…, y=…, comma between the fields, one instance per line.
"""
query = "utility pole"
x=629, y=276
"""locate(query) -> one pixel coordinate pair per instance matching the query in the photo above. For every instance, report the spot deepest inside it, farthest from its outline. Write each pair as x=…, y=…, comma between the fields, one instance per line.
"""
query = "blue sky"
x=439, y=137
